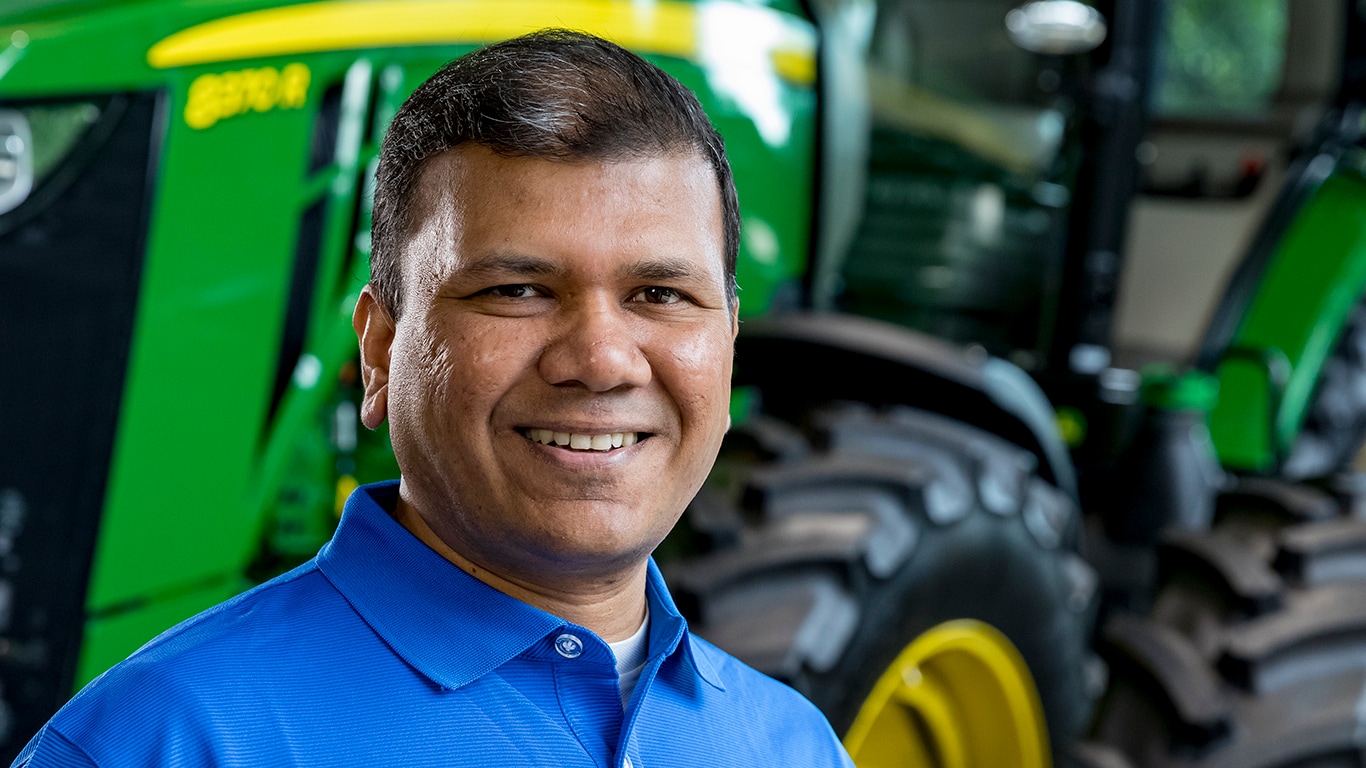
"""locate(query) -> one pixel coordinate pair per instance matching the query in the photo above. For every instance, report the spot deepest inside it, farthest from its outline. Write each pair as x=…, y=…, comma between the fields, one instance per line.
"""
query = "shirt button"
x=569, y=646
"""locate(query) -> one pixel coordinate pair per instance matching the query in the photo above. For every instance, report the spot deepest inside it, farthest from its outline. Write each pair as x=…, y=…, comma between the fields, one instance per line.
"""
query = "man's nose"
x=596, y=347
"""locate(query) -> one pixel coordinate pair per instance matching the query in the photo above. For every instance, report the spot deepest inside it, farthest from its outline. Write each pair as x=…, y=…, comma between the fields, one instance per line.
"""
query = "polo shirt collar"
x=443, y=622
x=668, y=629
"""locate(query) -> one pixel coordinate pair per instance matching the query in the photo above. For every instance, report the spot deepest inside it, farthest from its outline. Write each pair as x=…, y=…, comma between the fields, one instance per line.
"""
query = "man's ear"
x=375, y=331
x=734, y=333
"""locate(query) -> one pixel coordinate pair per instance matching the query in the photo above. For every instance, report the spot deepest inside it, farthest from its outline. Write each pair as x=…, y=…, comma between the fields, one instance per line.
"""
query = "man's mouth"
x=575, y=441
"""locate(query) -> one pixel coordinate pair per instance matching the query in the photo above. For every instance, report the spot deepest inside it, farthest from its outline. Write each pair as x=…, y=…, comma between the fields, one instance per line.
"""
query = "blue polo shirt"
x=381, y=652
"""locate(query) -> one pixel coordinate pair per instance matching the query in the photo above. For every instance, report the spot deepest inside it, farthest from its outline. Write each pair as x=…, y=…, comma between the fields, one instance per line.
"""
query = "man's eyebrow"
x=663, y=270
x=517, y=264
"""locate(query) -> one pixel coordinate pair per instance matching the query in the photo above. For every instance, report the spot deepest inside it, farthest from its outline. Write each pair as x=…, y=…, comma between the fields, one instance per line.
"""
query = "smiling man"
x=549, y=330
x=558, y=378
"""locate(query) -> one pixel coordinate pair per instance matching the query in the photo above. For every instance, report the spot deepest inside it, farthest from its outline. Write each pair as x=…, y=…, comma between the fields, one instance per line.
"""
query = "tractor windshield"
x=967, y=180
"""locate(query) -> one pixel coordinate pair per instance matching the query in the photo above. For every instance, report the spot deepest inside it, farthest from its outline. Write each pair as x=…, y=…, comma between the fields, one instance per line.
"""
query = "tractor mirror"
x=1056, y=27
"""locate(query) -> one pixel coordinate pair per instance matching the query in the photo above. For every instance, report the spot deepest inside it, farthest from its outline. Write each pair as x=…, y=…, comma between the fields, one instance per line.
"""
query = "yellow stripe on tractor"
x=666, y=28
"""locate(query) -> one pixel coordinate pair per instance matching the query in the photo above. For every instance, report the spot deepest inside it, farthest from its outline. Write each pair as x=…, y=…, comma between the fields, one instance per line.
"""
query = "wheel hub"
x=958, y=696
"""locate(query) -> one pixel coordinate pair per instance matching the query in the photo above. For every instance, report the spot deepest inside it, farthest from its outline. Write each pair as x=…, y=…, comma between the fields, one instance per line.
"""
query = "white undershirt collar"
x=631, y=655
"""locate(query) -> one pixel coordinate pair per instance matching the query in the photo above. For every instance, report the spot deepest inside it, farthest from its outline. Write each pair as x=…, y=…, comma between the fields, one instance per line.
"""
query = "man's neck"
x=614, y=611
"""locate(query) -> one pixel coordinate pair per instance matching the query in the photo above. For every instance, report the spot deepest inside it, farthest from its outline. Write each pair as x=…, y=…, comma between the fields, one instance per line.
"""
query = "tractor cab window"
x=1237, y=89
x=947, y=70
x=968, y=177
x=1219, y=57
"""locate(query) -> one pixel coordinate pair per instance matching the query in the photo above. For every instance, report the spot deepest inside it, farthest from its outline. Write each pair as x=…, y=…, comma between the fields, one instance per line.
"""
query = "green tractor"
x=935, y=197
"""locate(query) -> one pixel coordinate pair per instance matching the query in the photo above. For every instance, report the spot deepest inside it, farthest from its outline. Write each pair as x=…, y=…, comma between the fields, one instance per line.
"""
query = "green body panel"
x=217, y=272
x=206, y=484
x=1315, y=277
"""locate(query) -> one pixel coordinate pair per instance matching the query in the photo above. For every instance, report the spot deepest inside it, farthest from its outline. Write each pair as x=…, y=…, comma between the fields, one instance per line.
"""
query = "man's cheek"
x=704, y=370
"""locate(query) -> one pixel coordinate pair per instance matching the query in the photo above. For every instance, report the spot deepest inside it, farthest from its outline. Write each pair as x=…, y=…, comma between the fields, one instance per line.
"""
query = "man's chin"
x=603, y=554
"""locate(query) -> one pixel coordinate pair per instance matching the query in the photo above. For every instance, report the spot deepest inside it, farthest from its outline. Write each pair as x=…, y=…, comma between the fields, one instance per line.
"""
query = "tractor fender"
x=802, y=359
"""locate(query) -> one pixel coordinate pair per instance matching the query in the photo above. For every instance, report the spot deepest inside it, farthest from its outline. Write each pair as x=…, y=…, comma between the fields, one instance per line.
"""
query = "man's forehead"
x=440, y=174
x=464, y=178
x=505, y=263
x=454, y=186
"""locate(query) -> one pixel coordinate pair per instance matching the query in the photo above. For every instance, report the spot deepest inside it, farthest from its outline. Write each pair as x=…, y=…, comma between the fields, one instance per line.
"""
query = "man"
x=549, y=331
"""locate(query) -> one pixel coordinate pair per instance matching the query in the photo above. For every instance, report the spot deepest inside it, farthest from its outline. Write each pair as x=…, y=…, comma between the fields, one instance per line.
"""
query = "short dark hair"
x=554, y=94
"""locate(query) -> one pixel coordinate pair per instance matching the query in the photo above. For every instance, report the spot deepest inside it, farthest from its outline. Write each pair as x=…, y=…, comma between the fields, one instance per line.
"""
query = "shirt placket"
x=586, y=685
x=628, y=748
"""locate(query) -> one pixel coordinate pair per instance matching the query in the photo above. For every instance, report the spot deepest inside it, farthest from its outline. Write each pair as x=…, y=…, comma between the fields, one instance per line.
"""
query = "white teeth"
x=579, y=442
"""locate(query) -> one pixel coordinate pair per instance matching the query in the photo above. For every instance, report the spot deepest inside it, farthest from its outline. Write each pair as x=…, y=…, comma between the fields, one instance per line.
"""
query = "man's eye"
x=659, y=295
x=521, y=291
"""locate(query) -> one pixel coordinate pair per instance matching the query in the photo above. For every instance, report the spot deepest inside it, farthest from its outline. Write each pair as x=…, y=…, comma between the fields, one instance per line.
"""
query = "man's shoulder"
x=758, y=711
x=218, y=661
x=269, y=612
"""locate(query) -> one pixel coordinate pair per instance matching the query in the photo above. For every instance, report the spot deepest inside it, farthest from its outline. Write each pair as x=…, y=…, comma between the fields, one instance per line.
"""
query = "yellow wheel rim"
x=959, y=696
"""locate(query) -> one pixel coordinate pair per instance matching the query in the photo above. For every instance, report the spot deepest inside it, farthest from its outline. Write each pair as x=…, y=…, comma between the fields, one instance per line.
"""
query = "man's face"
x=547, y=302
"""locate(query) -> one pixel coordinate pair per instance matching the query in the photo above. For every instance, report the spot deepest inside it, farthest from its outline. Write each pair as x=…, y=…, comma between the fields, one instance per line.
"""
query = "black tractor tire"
x=834, y=545
x=1254, y=652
